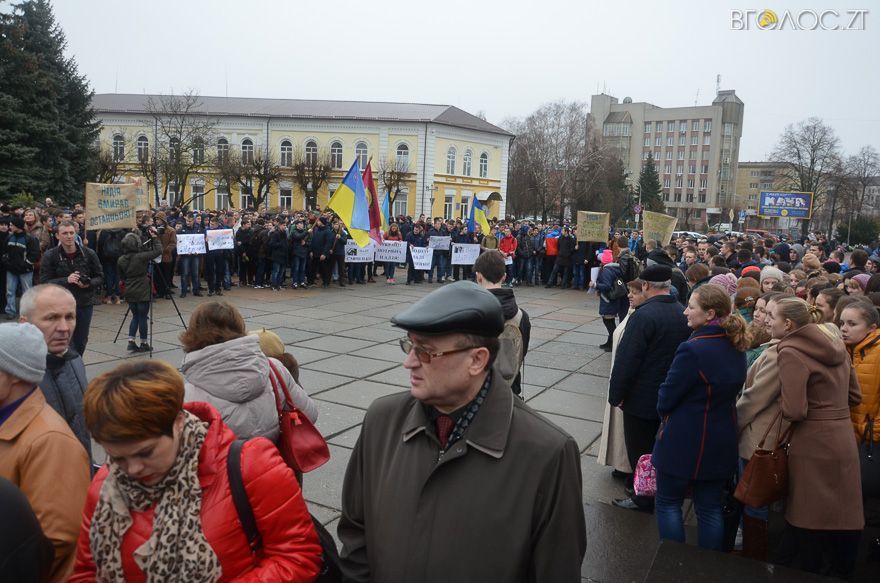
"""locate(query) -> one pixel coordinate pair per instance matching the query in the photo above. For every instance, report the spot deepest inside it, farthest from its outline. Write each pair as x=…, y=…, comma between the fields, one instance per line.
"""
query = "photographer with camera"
x=133, y=267
x=78, y=269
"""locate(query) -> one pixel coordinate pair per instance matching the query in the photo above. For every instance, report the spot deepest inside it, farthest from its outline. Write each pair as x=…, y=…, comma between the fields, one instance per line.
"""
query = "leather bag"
x=869, y=460
x=765, y=477
x=301, y=444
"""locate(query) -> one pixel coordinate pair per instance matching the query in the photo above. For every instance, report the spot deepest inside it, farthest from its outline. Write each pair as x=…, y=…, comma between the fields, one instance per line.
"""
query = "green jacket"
x=133, y=265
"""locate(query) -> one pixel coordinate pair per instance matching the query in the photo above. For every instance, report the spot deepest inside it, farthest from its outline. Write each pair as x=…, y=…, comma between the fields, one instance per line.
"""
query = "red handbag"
x=301, y=444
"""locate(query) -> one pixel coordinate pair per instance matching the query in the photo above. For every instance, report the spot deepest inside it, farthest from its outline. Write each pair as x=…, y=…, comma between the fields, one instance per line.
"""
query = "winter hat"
x=772, y=272
x=726, y=281
x=23, y=352
x=17, y=221
x=656, y=273
x=862, y=280
x=811, y=262
x=831, y=266
x=270, y=343
x=606, y=257
x=751, y=269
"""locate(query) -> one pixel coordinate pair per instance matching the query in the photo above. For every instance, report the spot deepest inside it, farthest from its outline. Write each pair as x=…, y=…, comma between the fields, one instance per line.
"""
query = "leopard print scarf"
x=177, y=550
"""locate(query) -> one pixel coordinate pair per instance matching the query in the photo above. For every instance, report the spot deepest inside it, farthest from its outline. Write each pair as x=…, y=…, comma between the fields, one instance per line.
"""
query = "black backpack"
x=330, y=571
x=630, y=268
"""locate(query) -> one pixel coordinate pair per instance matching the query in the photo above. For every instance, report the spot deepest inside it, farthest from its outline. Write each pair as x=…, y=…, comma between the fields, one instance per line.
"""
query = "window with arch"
x=450, y=160
x=402, y=156
x=247, y=151
x=466, y=163
x=484, y=165
x=311, y=153
x=286, y=153
x=118, y=148
x=336, y=155
x=174, y=149
x=222, y=150
x=198, y=151
x=361, y=152
x=222, y=196
x=143, y=149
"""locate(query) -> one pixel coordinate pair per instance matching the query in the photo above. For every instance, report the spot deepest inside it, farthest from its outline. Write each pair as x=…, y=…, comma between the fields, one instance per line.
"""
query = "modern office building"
x=695, y=150
x=447, y=156
x=753, y=178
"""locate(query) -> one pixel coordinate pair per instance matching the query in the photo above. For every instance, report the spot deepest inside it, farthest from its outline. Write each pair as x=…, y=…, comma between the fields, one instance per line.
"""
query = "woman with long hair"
x=392, y=234
x=859, y=322
x=823, y=512
x=696, y=447
x=161, y=509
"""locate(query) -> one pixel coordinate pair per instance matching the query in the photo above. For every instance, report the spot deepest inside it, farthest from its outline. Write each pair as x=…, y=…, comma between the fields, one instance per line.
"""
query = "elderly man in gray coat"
x=457, y=479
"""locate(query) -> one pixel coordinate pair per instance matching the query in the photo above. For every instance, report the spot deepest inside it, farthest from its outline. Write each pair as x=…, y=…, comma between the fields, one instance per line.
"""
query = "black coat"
x=321, y=241
x=299, y=243
x=565, y=250
x=20, y=252
x=26, y=554
x=278, y=246
x=645, y=352
x=55, y=267
x=133, y=265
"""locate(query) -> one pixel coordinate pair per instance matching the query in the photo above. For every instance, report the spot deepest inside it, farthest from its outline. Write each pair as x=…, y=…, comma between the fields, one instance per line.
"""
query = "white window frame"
x=311, y=152
x=286, y=149
x=221, y=196
x=707, y=139
x=198, y=154
x=143, y=148
x=695, y=126
x=707, y=126
x=648, y=126
x=285, y=197
x=198, y=200
x=222, y=149
x=465, y=207
x=450, y=160
x=669, y=154
x=246, y=195
x=247, y=151
x=658, y=141
x=484, y=165
x=118, y=146
x=467, y=162
x=402, y=156
x=681, y=154
x=647, y=141
x=682, y=126
x=362, y=153
x=448, y=206
x=336, y=155
x=401, y=203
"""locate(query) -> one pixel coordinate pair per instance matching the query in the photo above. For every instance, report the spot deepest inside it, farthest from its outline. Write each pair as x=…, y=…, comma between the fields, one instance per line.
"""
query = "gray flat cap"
x=459, y=308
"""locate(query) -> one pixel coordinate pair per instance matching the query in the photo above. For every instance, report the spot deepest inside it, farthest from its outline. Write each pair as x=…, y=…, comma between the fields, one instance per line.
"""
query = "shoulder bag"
x=765, y=477
x=301, y=444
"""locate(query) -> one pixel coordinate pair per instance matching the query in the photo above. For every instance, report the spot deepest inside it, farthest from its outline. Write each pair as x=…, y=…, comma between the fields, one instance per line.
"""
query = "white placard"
x=355, y=254
x=508, y=260
x=594, y=274
x=220, y=239
x=465, y=253
x=391, y=252
x=439, y=243
x=191, y=244
x=422, y=257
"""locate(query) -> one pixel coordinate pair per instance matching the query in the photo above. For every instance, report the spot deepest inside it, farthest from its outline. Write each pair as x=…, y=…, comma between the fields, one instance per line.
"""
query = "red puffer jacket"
x=291, y=551
x=508, y=246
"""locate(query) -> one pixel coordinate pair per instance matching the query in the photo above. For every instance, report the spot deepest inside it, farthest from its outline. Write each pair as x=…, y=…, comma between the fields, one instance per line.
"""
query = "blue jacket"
x=604, y=284
x=697, y=439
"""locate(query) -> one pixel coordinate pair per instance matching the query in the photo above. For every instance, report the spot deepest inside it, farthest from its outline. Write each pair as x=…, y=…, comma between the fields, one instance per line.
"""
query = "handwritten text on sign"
x=190, y=244
x=110, y=206
x=355, y=254
x=439, y=243
x=220, y=239
x=391, y=252
x=465, y=253
x=422, y=257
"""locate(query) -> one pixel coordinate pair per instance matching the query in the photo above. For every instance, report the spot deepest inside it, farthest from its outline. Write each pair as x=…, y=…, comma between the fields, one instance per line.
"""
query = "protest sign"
x=439, y=243
x=391, y=252
x=508, y=260
x=593, y=226
x=220, y=239
x=658, y=227
x=465, y=253
x=422, y=257
x=355, y=254
x=110, y=206
x=142, y=197
x=190, y=244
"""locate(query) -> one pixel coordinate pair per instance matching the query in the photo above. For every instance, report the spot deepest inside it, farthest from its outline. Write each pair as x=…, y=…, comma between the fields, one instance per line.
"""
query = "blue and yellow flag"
x=385, y=216
x=350, y=203
x=478, y=216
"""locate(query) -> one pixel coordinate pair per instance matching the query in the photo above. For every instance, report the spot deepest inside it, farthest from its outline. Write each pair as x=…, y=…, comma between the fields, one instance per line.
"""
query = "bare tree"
x=253, y=172
x=311, y=171
x=393, y=173
x=107, y=166
x=862, y=168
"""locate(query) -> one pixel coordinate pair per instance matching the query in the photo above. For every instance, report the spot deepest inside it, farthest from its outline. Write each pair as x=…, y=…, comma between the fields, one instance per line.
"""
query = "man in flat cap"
x=644, y=355
x=458, y=480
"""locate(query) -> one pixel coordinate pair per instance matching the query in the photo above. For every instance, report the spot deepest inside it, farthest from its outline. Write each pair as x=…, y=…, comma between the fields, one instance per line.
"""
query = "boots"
x=610, y=325
x=754, y=538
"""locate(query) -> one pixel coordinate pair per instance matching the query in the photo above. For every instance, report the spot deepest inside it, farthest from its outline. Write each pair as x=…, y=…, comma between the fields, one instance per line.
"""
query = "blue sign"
x=795, y=205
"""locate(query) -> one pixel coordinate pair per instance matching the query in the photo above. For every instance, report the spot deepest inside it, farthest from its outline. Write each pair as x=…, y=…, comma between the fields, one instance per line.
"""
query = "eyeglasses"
x=423, y=355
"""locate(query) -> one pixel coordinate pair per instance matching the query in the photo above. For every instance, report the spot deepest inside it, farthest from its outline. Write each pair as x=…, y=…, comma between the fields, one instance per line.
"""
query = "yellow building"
x=446, y=156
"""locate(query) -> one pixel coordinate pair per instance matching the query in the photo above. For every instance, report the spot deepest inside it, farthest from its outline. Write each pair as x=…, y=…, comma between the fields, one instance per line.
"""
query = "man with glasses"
x=483, y=488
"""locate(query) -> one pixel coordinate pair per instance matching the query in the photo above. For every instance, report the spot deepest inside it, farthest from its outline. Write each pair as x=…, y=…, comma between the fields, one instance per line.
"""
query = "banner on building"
x=422, y=257
x=465, y=253
x=793, y=205
x=391, y=252
x=439, y=243
x=142, y=197
x=219, y=239
x=593, y=227
x=110, y=206
x=191, y=244
x=355, y=254
x=658, y=227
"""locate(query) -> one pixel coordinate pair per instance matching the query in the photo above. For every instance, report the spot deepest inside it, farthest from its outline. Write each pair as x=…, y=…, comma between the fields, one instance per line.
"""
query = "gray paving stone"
x=352, y=366
x=334, y=418
x=292, y=335
x=324, y=485
x=547, y=322
x=382, y=333
x=314, y=381
x=324, y=326
x=542, y=377
x=581, y=338
x=557, y=361
x=305, y=355
x=346, y=439
x=584, y=384
x=358, y=320
x=323, y=514
x=312, y=313
x=334, y=344
x=389, y=351
x=359, y=393
x=583, y=432
x=355, y=306
x=585, y=407
x=578, y=350
x=396, y=376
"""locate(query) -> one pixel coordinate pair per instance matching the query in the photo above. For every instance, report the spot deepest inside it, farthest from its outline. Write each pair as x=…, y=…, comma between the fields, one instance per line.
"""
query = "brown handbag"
x=765, y=477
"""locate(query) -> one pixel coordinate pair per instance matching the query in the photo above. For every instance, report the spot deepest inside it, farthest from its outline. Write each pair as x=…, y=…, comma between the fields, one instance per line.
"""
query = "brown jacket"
x=40, y=455
x=759, y=403
x=169, y=243
x=818, y=387
x=503, y=504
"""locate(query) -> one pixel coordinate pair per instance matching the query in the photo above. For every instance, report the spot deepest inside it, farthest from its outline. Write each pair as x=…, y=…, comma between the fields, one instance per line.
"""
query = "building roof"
x=309, y=109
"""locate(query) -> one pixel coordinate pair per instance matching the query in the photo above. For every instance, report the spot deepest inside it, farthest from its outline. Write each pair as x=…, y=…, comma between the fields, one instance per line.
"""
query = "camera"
x=84, y=279
x=160, y=229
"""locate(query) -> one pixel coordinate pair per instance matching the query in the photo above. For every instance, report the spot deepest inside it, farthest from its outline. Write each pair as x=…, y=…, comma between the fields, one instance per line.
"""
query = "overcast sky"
x=503, y=58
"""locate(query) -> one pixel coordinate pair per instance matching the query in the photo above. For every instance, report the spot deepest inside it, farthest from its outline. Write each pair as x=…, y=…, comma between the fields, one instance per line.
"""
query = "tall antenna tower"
x=718, y=84
x=697, y=97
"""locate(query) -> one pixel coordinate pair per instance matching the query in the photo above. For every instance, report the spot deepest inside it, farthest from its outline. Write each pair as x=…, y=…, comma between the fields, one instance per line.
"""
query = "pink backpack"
x=645, y=477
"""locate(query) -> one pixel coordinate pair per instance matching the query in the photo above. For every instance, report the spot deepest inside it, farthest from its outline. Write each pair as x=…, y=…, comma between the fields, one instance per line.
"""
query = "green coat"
x=133, y=265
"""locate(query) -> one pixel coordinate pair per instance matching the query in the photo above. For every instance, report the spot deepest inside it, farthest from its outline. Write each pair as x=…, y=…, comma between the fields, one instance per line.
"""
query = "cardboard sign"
x=593, y=226
x=508, y=261
x=355, y=254
x=219, y=239
x=190, y=244
x=142, y=197
x=391, y=252
x=465, y=253
x=439, y=243
x=658, y=227
x=110, y=206
x=422, y=257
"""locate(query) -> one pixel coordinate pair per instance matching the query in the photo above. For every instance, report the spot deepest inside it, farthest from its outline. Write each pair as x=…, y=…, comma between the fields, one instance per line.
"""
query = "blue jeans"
x=671, y=492
x=140, y=312
x=80, y=337
x=13, y=281
x=189, y=269
x=298, y=270
x=389, y=269
x=438, y=262
x=277, y=272
x=579, y=275
x=261, y=271
x=227, y=274
x=111, y=278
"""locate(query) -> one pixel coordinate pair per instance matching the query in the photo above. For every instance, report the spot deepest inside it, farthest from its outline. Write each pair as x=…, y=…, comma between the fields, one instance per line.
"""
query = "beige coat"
x=40, y=455
x=759, y=403
x=612, y=447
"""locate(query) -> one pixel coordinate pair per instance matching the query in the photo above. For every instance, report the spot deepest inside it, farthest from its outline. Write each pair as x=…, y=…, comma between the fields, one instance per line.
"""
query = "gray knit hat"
x=772, y=272
x=23, y=352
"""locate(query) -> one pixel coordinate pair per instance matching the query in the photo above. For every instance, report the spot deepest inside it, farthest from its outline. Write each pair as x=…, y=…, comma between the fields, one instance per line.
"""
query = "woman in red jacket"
x=507, y=246
x=162, y=509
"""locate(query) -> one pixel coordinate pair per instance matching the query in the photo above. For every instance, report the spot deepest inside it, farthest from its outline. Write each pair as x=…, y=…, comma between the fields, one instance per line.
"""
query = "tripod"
x=150, y=270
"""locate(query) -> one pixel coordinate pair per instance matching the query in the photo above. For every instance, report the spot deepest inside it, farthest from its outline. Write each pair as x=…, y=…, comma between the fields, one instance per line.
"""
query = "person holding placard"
x=507, y=246
x=414, y=239
x=335, y=255
x=441, y=256
x=393, y=234
x=189, y=264
x=464, y=238
x=215, y=263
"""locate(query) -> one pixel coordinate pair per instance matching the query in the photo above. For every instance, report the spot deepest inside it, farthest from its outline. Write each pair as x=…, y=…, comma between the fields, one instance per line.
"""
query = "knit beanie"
x=811, y=262
x=270, y=343
x=862, y=280
x=772, y=272
x=23, y=352
x=606, y=257
x=726, y=281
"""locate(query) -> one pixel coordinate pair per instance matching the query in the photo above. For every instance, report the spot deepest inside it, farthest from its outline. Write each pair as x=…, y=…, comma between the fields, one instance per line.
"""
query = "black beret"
x=460, y=308
x=656, y=273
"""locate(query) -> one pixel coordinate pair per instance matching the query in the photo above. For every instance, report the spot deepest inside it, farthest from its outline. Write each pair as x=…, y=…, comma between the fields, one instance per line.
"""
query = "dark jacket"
x=509, y=307
x=55, y=267
x=278, y=246
x=679, y=281
x=525, y=246
x=321, y=241
x=416, y=240
x=110, y=245
x=565, y=250
x=20, y=252
x=133, y=266
x=608, y=274
x=653, y=332
x=63, y=386
x=534, y=532
x=697, y=407
x=299, y=246
x=25, y=552
x=337, y=246
x=243, y=241
x=259, y=243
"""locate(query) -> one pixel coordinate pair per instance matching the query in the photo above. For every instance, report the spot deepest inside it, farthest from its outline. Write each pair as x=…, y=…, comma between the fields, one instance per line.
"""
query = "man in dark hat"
x=482, y=487
x=645, y=352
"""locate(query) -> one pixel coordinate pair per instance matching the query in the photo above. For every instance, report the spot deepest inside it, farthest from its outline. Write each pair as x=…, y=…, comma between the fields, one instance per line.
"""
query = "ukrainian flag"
x=385, y=217
x=478, y=216
x=350, y=203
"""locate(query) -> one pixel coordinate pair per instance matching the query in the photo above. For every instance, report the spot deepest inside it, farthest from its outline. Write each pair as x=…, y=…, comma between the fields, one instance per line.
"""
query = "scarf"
x=177, y=550
x=467, y=416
